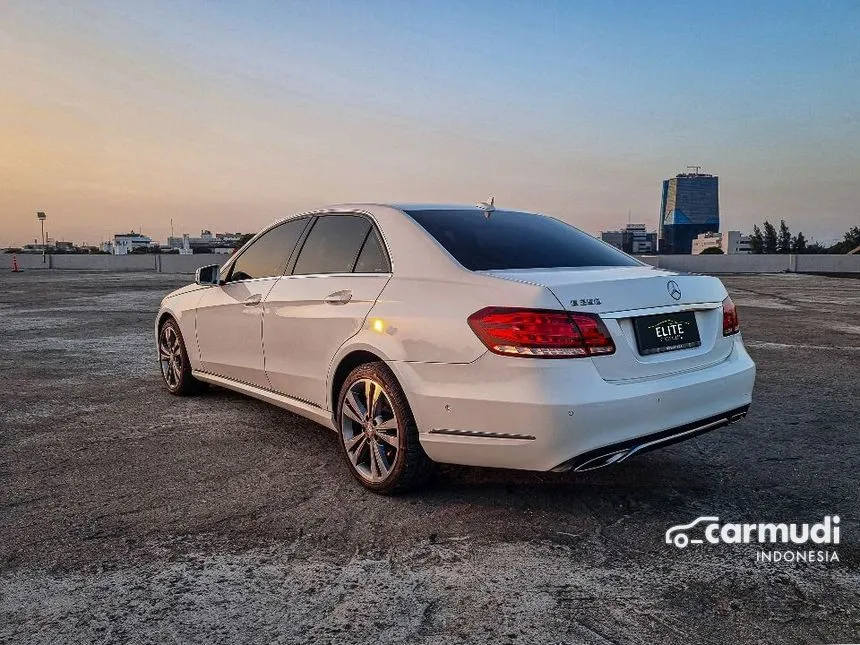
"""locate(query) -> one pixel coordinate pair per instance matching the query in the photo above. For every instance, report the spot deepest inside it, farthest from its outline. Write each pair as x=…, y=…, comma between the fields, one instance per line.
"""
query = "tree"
x=712, y=250
x=798, y=243
x=756, y=240
x=852, y=238
x=816, y=248
x=783, y=242
x=244, y=240
x=849, y=242
x=769, y=238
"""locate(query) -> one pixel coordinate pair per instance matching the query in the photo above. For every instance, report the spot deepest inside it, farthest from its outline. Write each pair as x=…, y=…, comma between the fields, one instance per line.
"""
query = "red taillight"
x=541, y=333
x=731, y=322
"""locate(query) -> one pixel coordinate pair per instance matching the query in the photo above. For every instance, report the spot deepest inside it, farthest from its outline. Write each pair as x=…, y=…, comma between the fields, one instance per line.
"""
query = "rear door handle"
x=339, y=297
x=250, y=301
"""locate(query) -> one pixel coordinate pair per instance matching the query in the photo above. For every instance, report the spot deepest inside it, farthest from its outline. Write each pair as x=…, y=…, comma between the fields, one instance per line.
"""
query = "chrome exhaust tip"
x=601, y=461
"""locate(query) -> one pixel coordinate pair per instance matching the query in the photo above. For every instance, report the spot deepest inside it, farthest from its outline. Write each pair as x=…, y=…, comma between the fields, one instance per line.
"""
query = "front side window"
x=333, y=245
x=513, y=240
x=268, y=255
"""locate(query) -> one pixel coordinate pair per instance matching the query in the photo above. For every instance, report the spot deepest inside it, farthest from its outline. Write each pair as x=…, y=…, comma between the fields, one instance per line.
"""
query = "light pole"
x=42, y=217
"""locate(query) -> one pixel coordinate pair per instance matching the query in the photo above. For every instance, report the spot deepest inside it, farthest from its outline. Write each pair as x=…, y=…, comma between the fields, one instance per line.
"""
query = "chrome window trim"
x=374, y=227
x=228, y=265
x=336, y=275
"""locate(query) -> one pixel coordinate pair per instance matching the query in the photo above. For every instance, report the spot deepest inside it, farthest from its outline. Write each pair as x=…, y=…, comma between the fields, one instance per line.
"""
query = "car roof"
x=419, y=206
x=425, y=255
x=414, y=253
x=405, y=206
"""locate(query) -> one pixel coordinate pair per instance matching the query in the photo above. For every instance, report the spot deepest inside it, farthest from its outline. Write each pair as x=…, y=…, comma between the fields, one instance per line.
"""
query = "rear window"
x=514, y=240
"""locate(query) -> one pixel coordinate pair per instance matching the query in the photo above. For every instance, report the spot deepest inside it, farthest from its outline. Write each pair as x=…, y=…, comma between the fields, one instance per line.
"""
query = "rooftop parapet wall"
x=172, y=263
x=742, y=263
x=155, y=262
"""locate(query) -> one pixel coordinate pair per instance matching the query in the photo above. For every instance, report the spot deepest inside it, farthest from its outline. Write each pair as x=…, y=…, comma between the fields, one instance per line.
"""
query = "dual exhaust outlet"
x=614, y=454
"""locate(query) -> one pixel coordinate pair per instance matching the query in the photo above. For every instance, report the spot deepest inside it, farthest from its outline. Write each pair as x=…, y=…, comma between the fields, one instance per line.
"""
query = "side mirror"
x=208, y=275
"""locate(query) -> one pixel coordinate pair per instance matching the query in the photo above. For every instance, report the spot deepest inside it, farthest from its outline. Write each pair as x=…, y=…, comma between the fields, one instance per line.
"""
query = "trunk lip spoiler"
x=661, y=309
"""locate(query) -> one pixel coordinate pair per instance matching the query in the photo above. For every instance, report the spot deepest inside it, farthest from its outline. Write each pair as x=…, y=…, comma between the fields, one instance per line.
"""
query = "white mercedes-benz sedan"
x=460, y=334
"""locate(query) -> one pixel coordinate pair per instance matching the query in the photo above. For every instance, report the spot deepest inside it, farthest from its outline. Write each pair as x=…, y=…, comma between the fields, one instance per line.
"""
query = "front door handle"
x=250, y=301
x=339, y=297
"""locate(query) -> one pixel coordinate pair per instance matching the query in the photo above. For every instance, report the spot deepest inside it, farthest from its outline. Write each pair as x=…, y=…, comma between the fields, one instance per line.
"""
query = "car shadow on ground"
x=674, y=468
x=727, y=473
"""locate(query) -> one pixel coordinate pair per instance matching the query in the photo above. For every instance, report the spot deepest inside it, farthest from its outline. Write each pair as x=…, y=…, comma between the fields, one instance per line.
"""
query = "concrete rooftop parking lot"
x=127, y=514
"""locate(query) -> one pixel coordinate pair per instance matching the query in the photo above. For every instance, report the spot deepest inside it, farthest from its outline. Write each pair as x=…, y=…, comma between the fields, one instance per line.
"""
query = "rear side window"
x=513, y=240
x=372, y=258
x=332, y=245
x=268, y=255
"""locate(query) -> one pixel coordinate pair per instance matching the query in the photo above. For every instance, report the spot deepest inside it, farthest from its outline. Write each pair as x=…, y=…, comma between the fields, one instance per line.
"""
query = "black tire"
x=408, y=465
x=174, y=363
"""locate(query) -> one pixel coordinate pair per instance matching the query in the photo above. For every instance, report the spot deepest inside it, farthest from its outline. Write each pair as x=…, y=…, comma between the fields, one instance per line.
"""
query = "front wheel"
x=379, y=438
x=174, y=363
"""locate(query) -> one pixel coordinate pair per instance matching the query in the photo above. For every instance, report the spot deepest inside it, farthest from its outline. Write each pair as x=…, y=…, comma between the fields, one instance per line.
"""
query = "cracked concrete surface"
x=127, y=515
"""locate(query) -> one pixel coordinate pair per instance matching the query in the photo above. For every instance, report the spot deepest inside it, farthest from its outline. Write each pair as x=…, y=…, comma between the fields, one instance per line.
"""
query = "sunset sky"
x=227, y=115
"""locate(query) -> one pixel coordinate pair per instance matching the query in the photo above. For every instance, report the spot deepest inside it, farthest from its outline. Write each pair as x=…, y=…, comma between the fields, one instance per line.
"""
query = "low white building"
x=207, y=240
x=186, y=249
x=730, y=242
x=125, y=243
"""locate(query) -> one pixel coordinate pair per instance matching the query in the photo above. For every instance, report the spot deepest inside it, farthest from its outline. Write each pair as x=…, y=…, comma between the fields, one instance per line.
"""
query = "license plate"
x=666, y=332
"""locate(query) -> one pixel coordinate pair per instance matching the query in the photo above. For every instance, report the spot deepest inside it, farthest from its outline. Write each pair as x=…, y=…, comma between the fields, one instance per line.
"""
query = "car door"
x=335, y=279
x=229, y=316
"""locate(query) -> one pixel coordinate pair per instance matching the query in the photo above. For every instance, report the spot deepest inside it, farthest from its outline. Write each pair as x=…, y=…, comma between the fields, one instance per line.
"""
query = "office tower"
x=689, y=207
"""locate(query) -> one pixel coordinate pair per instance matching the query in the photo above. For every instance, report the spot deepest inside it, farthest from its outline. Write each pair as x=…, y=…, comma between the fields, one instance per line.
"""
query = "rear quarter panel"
x=425, y=320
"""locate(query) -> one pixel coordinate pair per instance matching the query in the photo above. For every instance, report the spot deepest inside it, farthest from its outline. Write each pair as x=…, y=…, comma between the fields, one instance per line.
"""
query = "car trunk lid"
x=620, y=295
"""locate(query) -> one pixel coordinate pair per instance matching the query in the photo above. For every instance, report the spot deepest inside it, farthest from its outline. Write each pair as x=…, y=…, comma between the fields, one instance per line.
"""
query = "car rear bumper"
x=537, y=414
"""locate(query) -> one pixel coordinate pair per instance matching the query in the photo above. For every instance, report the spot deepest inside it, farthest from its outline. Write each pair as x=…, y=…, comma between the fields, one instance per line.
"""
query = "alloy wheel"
x=369, y=430
x=170, y=356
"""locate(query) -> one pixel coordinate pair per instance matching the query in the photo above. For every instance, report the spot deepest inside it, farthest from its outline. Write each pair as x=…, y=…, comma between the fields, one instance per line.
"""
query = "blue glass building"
x=690, y=206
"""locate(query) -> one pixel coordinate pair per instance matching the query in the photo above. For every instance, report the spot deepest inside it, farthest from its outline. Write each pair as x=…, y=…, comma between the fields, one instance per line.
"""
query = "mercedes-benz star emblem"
x=673, y=289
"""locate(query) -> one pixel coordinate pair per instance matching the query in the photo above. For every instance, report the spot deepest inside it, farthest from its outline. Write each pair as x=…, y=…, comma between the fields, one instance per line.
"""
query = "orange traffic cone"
x=15, y=267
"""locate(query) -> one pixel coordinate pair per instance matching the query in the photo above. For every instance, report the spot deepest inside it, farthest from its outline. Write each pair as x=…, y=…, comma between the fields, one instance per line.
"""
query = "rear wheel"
x=379, y=438
x=173, y=359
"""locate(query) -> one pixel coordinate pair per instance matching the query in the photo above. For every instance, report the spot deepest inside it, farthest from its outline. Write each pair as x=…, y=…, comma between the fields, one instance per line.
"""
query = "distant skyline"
x=226, y=116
